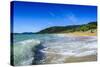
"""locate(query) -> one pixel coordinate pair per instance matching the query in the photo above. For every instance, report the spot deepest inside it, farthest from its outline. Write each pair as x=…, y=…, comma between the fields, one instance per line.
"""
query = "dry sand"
x=83, y=34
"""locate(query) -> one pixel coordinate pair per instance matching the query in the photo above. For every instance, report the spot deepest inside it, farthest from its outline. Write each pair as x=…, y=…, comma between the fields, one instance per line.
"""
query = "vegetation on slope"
x=71, y=28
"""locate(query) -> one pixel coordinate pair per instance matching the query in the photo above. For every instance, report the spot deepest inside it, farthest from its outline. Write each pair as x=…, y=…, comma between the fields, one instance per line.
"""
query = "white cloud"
x=71, y=18
x=52, y=14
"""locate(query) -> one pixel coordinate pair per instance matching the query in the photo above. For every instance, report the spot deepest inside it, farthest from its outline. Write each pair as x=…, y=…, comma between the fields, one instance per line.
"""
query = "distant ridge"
x=70, y=28
x=24, y=33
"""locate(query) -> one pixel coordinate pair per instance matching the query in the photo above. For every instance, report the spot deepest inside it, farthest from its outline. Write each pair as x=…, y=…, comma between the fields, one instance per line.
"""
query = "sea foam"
x=66, y=46
x=23, y=54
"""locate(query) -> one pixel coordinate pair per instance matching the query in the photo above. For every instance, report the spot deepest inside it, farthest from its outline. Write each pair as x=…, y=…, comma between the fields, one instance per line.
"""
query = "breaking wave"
x=23, y=52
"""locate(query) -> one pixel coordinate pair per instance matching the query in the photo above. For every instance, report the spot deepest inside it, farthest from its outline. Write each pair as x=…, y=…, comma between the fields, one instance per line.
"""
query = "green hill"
x=71, y=28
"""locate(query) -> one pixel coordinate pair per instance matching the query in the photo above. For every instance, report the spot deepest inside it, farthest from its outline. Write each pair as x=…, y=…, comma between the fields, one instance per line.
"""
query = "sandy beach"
x=83, y=34
x=81, y=59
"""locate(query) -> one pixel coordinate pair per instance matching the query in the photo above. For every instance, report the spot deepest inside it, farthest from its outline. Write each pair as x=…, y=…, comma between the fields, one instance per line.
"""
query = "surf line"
x=38, y=55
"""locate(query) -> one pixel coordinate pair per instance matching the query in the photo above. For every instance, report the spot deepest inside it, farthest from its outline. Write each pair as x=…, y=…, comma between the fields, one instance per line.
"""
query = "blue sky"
x=33, y=17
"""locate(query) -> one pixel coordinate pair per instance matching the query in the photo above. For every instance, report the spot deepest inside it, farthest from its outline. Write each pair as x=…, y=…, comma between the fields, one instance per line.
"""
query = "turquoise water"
x=51, y=48
x=21, y=37
x=24, y=45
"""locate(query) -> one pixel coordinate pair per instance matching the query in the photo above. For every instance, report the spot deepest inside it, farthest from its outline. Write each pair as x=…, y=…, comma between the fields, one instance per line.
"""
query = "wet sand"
x=81, y=59
x=56, y=58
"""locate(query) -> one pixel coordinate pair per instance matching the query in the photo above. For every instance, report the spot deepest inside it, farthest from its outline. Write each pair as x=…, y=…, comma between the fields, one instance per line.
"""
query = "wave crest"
x=23, y=51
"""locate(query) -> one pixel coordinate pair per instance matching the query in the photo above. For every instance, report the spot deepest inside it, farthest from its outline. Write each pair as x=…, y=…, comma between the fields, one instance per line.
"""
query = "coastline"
x=83, y=34
x=84, y=58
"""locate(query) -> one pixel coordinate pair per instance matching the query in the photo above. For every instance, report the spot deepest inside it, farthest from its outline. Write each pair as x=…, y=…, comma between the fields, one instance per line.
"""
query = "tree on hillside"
x=92, y=26
x=84, y=28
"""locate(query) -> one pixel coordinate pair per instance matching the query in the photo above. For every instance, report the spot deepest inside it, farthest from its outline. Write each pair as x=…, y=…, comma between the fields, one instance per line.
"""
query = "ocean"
x=34, y=49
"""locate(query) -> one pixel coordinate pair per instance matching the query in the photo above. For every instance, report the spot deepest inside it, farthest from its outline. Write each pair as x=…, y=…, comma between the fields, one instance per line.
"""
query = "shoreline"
x=83, y=34
x=81, y=59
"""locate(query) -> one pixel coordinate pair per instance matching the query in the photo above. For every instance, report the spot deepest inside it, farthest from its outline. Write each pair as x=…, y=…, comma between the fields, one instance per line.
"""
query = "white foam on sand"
x=78, y=47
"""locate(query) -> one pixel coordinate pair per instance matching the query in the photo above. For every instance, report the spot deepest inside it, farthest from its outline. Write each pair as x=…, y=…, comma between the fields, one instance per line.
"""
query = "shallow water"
x=51, y=48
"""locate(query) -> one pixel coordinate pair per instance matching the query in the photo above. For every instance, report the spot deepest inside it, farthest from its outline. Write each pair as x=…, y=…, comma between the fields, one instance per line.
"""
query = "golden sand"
x=83, y=34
